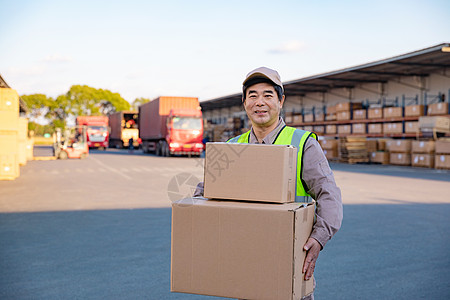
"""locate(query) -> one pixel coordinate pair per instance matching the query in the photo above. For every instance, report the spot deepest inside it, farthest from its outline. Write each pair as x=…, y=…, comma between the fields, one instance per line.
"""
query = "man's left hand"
x=312, y=248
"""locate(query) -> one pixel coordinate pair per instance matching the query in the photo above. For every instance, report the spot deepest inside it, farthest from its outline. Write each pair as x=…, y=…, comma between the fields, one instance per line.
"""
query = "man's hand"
x=312, y=248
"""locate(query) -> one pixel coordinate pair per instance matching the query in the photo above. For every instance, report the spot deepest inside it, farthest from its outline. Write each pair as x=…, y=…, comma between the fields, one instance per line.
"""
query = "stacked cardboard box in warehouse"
x=249, y=224
x=422, y=154
x=9, y=135
x=442, y=158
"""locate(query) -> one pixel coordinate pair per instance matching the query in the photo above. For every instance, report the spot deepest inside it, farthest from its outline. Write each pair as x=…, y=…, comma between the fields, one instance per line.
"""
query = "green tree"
x=39, y=105
x=139, y=101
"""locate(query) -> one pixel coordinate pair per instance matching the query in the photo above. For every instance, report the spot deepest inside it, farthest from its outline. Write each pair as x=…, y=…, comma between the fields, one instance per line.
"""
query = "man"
x=263, y=97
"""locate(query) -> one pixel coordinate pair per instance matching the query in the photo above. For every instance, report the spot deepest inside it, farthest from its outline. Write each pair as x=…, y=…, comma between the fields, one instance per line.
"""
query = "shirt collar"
x=270, y=138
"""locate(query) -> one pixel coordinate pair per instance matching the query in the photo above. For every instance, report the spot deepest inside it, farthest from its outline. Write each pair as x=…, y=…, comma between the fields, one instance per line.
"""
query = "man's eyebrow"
x=268, y=91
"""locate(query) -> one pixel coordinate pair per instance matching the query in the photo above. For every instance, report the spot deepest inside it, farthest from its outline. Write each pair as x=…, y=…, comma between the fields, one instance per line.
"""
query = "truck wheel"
x=166, y=150
x=63, y=155
x=158, y=149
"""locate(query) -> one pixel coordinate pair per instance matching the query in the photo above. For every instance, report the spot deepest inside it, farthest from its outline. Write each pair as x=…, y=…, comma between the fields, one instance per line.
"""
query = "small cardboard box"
x=343, y=115
x=402, y=159
x=379, y=157
x=240, y=250
x=440, y=108
x=443, y=146
x=393, y=128
x=344, y=129
x=308, y=118
x=330, y=129
x=393, y=112
x=414, y=110
x=375, y=113
x=411, y=127
x=359, y=114
x=236, y=171
x=442, y=161
x=399, y=145
x=423, y=146
x=375, y=128
x=328, y=144
x=422, y=160
x=359, y=128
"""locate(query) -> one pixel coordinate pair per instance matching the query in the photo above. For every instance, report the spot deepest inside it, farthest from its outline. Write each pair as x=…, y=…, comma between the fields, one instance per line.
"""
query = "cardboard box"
x=331, y=153
x=427, y=123
x=319, y=117
x=288, y=119
x=9, y=166
x=328, y=144
x=440, y=108
x=240, y=249
x=443, y=146
x=343, y=106
x=393, y=112
x=297, y=119
x=330, y=129
x=379, y=157
x=442, y=161
x=308, y=118
x=359, y=114
x=344, y=129
x=381, y=144
x=402, y=159
x=371, y=145
x=374, y=113
x=331, y=109
x=359, y=128
x=422, y=160
x=22, y=152
x=9, y=101
x=423, y=146
x=343, y=115
x=399, y=145
x=30, y=148
x=330, y=117
x=393, y=128
x=414, y=110
x=319, y=129
x=308, y=128
x=375, y=128
x=411, y=127
x=234, y=171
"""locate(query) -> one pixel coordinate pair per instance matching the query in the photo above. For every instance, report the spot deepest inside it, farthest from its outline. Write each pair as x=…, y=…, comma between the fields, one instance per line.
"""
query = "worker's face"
x=262, y=105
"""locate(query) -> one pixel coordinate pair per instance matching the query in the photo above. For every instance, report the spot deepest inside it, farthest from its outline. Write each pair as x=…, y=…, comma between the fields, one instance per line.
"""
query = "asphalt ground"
x=99, y=228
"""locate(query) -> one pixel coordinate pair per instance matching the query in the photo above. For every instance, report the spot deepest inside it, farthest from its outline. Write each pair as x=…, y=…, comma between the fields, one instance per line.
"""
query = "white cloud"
x=26, y=71
x=57, y=58
x=288, y=47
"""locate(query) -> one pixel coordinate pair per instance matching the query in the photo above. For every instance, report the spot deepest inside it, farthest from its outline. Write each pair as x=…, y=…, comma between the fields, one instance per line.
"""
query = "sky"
x=202, y=48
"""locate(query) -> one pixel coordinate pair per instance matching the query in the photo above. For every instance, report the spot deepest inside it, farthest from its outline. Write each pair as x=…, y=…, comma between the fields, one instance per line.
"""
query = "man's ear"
x=282, y=101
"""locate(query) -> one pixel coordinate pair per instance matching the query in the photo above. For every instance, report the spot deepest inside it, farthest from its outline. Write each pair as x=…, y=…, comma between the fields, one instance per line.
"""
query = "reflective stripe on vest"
x=288, y=136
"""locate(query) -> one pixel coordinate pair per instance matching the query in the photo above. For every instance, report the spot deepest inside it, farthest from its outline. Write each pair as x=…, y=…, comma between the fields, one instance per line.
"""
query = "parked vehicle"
x=97, y=130
x=171, y=126
x=70, y=143
x=124, y=125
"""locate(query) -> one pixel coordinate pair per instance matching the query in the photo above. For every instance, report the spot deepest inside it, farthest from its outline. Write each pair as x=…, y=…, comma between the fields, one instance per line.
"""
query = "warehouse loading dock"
x=379, y=100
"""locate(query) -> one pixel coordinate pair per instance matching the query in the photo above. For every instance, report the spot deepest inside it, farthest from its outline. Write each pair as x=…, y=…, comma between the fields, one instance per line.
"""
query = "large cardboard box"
x=443, y=146
x=379, y=157
x=319, y=117
x=330, y=129
x=399, y=145
x=331, y=109
x=328, y=144
x=319, y=129
x=9, y=100
x=371, y=145
x=440, y=108
x=442, y=161
x=344, y=129
x=393, y=112
x=360, y=114
x=411, y=127
x=343, y=115
x=393, y=128
x=240, y=250
x=235, y=171
x=297, y=118
x=374, y=113
x=359, y=128
x=422, y=160
x=422, y=146
x=30, y=148
x=9, y=166
x=427, y=123
x=414, y=110
x=308, y=118
x=375, y=128
x=348, y=106
x=402, y=159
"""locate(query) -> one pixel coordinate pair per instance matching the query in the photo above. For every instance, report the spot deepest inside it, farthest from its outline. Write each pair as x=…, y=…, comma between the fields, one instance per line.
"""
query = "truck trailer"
x=97, y=130
x=171, y=126
x=124, y=126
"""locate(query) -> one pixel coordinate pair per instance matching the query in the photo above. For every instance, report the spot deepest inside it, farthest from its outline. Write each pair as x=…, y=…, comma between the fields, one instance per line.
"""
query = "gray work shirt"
x=320, y=185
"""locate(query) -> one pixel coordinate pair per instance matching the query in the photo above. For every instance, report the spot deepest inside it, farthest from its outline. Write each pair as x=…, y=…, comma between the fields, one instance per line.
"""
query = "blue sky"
x=201, y=48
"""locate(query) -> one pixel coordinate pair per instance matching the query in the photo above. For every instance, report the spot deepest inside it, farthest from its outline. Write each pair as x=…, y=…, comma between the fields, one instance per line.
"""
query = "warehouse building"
x=331, y=103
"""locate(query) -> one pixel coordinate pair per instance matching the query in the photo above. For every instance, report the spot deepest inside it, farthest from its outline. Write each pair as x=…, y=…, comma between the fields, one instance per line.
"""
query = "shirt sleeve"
x=322, y=187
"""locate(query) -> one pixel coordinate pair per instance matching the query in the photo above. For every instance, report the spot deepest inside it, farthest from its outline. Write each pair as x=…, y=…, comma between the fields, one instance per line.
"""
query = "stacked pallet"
x=442, y=158
x=353, y=150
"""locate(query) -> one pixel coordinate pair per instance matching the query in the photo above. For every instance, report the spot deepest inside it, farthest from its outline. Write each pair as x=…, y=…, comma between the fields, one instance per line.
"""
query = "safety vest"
x=288, y=136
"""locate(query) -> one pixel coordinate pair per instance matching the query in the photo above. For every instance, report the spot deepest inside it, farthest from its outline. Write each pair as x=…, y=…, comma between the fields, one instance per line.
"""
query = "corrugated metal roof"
x=420, y=63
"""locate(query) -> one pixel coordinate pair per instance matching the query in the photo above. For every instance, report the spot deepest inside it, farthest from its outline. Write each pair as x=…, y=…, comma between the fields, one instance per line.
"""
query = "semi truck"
x=97, y=130
x=171, y=126
x=124, y=126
